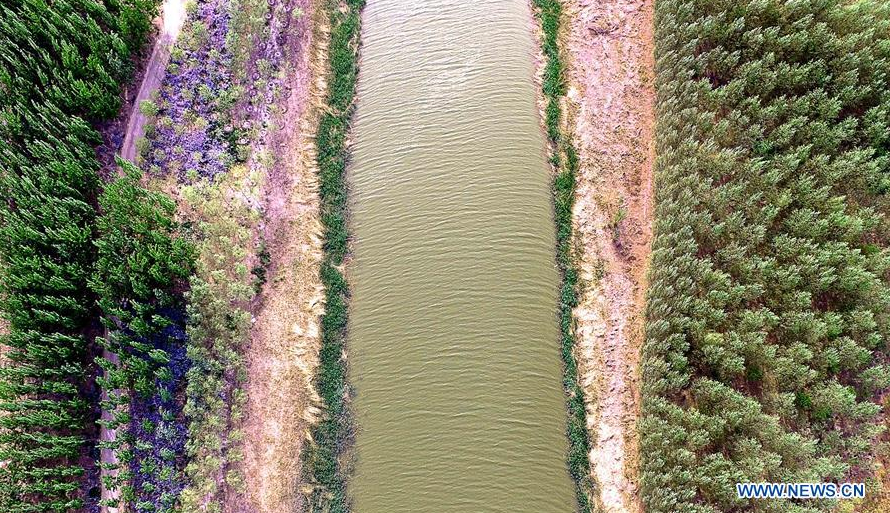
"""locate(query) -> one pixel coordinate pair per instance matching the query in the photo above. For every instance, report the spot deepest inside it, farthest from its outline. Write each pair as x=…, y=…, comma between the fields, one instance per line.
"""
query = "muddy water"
x=453, y=336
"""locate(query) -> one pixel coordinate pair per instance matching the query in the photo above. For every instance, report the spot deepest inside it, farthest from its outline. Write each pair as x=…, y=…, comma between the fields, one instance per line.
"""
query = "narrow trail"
x=171, y=20
x=169, y=24
x=108, y=456
x=611, y=113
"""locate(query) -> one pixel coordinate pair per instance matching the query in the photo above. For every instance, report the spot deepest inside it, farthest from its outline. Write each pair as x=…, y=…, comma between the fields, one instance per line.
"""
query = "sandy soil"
x=610, y=109
x=283, y=351
x=169, y=24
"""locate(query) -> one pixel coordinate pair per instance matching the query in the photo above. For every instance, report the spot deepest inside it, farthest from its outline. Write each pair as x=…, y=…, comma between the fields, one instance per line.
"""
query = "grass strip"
x=564, y=160
x=324, y=469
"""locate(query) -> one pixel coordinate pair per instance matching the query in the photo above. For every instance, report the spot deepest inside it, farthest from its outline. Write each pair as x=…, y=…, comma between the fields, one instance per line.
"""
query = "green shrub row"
x=61, y=63
x=323, y=469
x=219, y=322
x=767, y=314
x=565, y=164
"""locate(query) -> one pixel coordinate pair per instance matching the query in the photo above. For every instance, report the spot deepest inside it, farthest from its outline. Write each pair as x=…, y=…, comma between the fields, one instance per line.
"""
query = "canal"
x=453, y=336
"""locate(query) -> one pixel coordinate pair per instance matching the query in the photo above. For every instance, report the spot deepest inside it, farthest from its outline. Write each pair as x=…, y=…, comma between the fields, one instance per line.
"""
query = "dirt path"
x=283, y=351
x=611, y=110
x=170, y=23
x=4, y=330
x=108, y=456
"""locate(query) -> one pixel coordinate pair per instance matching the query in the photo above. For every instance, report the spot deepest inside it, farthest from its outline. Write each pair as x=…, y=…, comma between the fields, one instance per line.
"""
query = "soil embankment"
x=609, y=47
x=283, y=351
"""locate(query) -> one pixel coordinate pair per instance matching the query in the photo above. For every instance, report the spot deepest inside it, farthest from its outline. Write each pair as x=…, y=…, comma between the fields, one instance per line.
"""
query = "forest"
x=767, y=318
x=63, y=65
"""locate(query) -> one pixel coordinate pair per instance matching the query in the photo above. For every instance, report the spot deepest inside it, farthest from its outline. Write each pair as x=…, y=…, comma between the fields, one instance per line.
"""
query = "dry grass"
x=283, y=353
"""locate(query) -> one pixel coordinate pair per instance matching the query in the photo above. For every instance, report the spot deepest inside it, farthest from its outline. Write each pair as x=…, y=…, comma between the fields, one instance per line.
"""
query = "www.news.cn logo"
x=800, y=490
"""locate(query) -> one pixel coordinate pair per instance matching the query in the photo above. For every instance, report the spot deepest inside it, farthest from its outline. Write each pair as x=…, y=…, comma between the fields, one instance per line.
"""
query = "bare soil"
x=283, y=352
x=610, y=106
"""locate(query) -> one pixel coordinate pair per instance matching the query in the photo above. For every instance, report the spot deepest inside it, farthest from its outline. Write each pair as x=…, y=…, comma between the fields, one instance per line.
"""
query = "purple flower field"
x=188, y=136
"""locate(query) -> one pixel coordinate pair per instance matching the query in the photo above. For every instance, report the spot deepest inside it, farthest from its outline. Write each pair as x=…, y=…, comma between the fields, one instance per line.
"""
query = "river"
x=453, y=343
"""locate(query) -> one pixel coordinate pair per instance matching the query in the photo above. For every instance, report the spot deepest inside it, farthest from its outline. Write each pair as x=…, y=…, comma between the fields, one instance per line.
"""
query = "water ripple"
x=453, y=337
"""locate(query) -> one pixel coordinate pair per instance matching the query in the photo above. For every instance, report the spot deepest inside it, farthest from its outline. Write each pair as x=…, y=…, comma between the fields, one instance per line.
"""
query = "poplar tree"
x=61, y=63
x=141, y=259
x=767, y=311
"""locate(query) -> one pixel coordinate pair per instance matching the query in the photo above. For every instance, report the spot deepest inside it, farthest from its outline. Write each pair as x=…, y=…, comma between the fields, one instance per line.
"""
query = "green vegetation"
x=60, y=64
x=71, y=55
x=323, y=469
x=767, y=317
x=140, y=260
x=248, y=20
x=565, y=164
x=205, y=139
x=218, y=328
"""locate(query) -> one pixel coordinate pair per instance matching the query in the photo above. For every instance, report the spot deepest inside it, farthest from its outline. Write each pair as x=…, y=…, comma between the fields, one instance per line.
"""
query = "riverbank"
x=325, y=470
x=600, y=111
x=282, y=356
x=611, y=105
x=228, y=136
x=564, y=161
